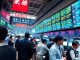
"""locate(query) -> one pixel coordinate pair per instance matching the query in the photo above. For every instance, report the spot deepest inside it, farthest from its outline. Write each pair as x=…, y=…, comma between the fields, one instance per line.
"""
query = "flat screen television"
x=77, y=33
x=58, y=26
x=69, y=23
x=62, y=33
x=70, y=33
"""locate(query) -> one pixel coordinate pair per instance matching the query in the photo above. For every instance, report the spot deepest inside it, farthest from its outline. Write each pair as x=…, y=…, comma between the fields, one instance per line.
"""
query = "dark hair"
x=75, y=43
x=58, y=38
x=3, y=33
x=11, y=36
x=51, y=39
x=32, y=39
x=43, y=40
x=27, y=35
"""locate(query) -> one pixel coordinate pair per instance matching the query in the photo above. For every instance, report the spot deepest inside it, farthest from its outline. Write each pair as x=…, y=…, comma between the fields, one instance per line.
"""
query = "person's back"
x=42, y=50
x=10, y=42
x=7, y=53
x=25, y=50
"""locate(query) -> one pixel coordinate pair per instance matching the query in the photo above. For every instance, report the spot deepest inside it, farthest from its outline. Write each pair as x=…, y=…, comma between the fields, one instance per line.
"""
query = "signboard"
x=22, y=15
x=6, y=24
x=20, y=20
x=20, y=5
x=21, y=25
x=5, y=15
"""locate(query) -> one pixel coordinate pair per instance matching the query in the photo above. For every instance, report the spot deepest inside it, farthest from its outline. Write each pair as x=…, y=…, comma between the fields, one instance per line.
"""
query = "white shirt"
x=73, y=55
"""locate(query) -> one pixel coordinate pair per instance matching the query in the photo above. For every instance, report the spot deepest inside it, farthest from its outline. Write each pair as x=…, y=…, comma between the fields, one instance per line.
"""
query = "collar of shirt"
x=57, y=45
x=2, y=44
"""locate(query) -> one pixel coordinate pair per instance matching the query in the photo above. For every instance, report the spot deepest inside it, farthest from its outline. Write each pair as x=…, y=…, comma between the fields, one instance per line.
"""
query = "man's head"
x=27, y=35
x=75, y=44
x=59, y=40
x=43, y=41
x=51, y=39
x=3, y=33
x=19, y=37
x=33, y=39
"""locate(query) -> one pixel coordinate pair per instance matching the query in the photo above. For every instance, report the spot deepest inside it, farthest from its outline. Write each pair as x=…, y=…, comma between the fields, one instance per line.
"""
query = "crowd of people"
x=29, y=49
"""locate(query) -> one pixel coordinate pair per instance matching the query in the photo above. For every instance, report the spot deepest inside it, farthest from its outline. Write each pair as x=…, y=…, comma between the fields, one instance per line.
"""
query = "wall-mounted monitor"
x=76, y=14
x=70, y=33
x=63, y=24
x=69, y=23
x=58, y=26
x=77, y=33
x=62, y=33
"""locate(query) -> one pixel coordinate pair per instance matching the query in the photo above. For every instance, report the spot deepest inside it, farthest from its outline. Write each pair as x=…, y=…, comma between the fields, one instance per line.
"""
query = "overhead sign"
x=20, y=20
x=5, y=15
x=6, y=24
x=21, y=25
x=20, y=5
x=21, y=15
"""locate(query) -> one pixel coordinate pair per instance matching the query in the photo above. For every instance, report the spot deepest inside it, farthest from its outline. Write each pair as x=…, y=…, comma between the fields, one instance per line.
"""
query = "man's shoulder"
x=8, y=48
x=53, y=47
x=11, y=48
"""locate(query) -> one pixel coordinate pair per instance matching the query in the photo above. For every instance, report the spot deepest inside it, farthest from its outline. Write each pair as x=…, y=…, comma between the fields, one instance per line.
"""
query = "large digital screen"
x=62, y=33
x=20, y=5
x=57, y=16
x=76, y=14
x=77, y=33
x=63, y=23
x=63, y=14
x=69, y=23
x=54, y=27
x=53, y=19
x=58, y=26
x=70, y=33
x=68, y=12
x=56, y=33
x=51, y=34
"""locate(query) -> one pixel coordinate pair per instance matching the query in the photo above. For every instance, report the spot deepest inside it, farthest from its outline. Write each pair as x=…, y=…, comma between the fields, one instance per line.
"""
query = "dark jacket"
x=49, y=45
x=7, y=53
x=25, y=50
x=68, y=56
x=10, y=43
x=16, y=44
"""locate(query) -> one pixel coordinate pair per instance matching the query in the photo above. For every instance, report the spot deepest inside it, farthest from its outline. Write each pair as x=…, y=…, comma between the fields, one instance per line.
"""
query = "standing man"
x=72, y=53
x=41, y=50
x=56, y=51
x=25, y=48
x=17, y=41
x=6, y=52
